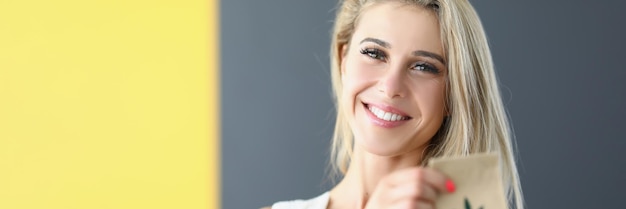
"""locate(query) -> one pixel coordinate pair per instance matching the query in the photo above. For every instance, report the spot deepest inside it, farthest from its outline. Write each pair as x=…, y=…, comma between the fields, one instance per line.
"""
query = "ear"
x=343, y=51
x=446, y=103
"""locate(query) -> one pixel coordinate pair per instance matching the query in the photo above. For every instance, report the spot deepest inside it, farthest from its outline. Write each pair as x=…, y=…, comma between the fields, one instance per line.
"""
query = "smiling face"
x=393, y=77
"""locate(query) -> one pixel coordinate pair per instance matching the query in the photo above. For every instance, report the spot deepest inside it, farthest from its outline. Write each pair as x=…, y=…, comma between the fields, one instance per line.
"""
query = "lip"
x=383, y=123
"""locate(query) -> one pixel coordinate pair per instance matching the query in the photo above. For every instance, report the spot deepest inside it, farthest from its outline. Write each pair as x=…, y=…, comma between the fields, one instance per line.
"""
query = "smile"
x=386, y=116
x=381, y=114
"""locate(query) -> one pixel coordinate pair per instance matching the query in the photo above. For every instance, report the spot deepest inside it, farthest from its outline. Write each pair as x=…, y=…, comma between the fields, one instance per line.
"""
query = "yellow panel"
x=108, y=104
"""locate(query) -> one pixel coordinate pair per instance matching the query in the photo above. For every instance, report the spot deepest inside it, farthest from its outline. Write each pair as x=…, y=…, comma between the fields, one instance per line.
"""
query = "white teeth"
x=386, y=115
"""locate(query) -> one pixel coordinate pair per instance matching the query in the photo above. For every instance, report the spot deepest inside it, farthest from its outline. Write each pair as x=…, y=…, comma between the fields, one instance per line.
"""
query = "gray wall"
x=560, y=63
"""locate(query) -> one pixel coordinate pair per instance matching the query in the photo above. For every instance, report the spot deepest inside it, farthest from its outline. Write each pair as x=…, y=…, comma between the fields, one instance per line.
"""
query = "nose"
x=392, y=82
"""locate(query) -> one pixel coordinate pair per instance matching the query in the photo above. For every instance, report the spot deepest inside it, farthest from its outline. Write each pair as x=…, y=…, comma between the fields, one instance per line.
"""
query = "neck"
x=365, y=171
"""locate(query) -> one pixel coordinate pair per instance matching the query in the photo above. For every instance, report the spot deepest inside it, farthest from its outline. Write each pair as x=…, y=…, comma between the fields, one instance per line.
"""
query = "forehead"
x=403, y=26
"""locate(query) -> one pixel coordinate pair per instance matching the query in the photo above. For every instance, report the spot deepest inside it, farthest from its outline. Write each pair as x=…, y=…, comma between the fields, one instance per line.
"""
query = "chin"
x=385, y=147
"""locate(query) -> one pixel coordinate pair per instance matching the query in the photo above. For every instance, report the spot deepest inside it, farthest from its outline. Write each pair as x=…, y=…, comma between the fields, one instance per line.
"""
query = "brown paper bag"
x=477, y=181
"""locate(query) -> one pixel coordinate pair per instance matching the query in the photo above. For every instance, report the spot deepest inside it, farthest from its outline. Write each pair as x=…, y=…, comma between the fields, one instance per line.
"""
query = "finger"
x=435, y=179
x=418, y=175
x=412, y=204
x=413, y=191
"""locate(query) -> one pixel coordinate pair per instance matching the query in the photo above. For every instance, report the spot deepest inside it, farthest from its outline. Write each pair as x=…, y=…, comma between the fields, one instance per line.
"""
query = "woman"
x=413, y=79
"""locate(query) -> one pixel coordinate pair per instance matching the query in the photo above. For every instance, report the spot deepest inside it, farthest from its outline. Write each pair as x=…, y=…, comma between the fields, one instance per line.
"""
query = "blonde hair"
x=477, y=123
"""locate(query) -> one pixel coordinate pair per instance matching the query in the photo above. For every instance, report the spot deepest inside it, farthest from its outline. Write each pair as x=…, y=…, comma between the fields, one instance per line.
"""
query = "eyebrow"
x=377, y=41
x=418, y=53
x=429, y=54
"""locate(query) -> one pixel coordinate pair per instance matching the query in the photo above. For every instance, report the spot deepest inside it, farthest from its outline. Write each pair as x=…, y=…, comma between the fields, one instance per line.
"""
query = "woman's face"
x=393, y=77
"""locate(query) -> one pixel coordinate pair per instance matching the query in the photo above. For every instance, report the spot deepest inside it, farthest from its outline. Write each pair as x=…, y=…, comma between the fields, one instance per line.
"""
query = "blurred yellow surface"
x=108, y=104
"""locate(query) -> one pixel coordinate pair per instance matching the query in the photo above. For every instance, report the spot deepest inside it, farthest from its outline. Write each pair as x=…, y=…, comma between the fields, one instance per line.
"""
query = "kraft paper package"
x=477, y=181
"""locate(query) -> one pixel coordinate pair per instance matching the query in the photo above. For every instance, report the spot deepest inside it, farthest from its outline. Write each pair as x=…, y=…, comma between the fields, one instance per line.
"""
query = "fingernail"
x=450, y=186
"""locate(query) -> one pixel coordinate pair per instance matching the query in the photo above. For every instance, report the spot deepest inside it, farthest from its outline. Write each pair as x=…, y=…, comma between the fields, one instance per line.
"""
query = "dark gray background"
x=561, y=66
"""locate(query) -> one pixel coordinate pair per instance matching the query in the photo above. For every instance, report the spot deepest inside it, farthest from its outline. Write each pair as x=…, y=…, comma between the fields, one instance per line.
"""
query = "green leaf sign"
x=468, y=206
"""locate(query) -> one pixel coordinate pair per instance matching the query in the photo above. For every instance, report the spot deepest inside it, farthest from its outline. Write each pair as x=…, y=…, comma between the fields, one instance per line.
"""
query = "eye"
x=374, y=53
x=425, y=67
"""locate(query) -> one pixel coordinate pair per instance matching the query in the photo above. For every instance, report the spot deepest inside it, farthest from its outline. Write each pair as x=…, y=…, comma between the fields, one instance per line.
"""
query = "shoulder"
x=319, y=202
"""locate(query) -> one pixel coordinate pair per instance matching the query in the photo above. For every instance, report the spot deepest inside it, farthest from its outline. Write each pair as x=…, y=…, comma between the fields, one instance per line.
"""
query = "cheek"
x=359, y=74
x=357, y=78
x=430, y=96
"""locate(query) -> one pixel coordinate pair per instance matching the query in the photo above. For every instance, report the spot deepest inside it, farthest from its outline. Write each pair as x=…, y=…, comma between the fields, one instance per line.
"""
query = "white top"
x=320, y=202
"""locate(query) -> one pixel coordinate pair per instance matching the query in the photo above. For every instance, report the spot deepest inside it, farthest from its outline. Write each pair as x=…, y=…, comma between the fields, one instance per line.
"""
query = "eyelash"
x=374, y=53
x=425, y=67
x=380, y=55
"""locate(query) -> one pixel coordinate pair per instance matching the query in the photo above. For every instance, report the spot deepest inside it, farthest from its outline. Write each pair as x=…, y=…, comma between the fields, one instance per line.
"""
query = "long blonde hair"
x=477, y=123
